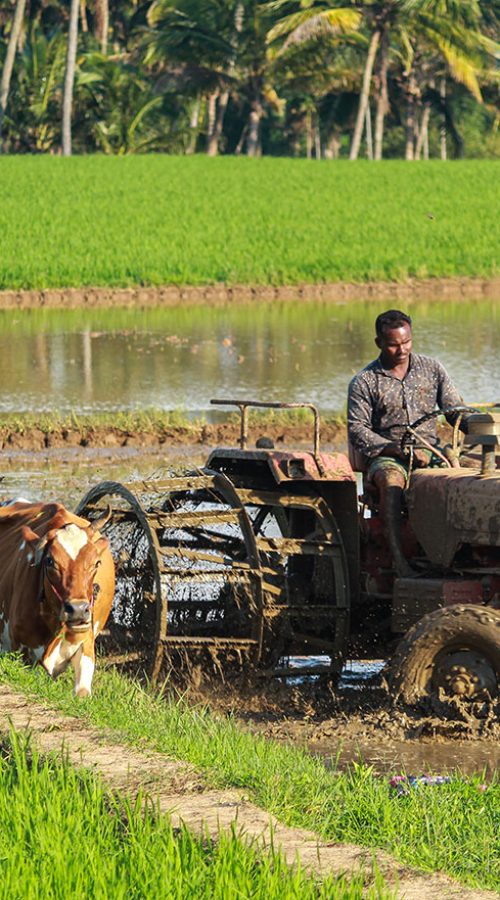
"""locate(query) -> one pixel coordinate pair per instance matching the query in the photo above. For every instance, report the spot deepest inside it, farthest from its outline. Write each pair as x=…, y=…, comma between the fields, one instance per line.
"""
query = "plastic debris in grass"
x=403, y=784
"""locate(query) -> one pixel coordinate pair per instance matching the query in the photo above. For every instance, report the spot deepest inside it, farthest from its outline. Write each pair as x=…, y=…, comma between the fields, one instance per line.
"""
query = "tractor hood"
x=450, y=507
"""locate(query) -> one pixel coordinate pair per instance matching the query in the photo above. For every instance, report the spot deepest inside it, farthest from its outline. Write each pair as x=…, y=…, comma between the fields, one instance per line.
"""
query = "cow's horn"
x=99, y=523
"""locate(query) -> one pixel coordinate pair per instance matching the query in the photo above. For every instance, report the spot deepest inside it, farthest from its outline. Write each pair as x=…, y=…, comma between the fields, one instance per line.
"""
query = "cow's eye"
x=49, y=562
x=98, y=563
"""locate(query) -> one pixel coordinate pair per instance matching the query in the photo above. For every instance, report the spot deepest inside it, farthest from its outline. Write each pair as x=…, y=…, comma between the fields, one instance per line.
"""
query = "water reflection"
x=179, y=358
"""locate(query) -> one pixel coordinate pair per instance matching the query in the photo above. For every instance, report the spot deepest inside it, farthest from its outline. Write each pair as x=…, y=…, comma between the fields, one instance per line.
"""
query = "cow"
x=57, y=582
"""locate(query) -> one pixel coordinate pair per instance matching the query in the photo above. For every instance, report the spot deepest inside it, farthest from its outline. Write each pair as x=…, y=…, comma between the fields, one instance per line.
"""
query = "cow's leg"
x=83, y=663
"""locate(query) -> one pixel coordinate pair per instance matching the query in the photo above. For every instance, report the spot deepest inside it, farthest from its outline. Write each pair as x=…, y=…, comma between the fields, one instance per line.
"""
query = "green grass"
x=163, y=219
x=64, y=836
x=454, y=827
x=144, y=420
x=149, y=420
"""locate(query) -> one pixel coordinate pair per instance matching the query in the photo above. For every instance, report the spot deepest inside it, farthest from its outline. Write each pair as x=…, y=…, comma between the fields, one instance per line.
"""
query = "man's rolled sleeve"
x=359, y=420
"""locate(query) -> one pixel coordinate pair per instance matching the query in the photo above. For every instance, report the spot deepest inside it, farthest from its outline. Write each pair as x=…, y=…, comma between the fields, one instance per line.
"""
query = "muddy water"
x=413, y=757
x=87, y=360
x=66, y=475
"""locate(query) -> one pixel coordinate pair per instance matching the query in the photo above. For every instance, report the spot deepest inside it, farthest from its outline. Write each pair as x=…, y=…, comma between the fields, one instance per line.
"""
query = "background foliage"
x=280, y=77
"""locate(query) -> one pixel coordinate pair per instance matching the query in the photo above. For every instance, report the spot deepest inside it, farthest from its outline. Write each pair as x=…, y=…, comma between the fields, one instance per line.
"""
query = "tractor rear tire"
x=455, y=649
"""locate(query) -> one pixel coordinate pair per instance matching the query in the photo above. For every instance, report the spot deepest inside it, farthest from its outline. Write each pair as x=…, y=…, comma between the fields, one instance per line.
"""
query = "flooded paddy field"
x=86, y=361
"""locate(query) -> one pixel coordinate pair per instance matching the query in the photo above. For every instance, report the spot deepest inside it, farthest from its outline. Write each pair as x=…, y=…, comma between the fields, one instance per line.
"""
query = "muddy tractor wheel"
x=131, y=635
x=455, y=651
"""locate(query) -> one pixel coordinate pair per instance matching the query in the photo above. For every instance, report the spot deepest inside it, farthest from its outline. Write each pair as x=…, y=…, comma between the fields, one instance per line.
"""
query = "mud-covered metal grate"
x=204, y=567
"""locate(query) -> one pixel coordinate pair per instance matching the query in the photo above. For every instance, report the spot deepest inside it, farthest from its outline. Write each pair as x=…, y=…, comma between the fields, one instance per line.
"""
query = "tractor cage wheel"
x=204, y=566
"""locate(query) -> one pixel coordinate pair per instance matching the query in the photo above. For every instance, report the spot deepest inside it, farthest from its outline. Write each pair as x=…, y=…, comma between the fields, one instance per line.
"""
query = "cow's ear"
x=37, y=545
x=30, y=536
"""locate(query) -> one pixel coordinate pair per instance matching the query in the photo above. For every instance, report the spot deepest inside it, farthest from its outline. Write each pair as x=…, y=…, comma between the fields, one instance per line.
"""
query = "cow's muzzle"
x=77, y=615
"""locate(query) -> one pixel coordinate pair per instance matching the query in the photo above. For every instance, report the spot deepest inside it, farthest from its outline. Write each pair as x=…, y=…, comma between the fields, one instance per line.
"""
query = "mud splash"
x=358, y=722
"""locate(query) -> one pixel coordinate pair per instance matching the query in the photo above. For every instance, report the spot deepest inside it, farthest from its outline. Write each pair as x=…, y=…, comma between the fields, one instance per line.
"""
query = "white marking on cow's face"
x=5, y=640
x=59, y=657
x=84, y=671
x=72, y=539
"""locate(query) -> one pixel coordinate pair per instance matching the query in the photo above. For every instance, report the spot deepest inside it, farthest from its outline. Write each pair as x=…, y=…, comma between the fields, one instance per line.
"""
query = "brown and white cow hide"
x=57, y=580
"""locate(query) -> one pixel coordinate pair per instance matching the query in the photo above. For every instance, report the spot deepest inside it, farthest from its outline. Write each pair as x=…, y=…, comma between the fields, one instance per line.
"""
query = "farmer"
x=393, y=391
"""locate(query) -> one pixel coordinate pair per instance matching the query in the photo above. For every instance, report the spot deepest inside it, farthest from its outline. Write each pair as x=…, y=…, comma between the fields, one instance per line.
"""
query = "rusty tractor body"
x=265, y=554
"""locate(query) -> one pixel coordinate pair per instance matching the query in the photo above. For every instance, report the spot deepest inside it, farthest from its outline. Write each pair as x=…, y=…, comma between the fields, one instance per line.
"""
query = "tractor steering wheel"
x=412, y=441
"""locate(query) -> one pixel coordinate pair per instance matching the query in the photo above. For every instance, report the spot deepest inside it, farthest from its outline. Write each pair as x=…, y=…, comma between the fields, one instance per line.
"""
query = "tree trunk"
x=423, y=134
x=369, y=138
x=243, y=135
x=193, y=126
x=363, y=97
x=8, y=65
x=83, y=16
x=442, y=133
x=101, y=27
x=219, y=121
x=69, y=78
x=308, y=135
x=253, y=139
x=332, y=146
x=317, y=142
x=426, y=143
x=410, y=117
x=383, y=95
x=211, y=115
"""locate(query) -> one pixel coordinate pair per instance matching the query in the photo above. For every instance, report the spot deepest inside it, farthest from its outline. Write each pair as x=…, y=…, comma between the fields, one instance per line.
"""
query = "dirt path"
x=180, y=790
x=217, y=294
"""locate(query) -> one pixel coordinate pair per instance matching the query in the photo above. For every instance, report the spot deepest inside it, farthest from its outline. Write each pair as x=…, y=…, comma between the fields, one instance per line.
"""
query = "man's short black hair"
x=392, y=318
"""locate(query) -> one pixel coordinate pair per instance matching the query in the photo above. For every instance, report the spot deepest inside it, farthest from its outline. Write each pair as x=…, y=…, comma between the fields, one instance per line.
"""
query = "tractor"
x=266, y=554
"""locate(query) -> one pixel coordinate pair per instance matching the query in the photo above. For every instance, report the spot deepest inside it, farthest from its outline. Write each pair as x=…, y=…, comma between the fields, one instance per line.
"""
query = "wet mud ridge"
x=466, y=288
x=180, y=791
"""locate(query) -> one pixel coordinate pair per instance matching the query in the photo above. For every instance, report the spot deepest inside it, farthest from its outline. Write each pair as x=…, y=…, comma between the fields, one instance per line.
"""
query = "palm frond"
x=309, y=23
x=461, y=68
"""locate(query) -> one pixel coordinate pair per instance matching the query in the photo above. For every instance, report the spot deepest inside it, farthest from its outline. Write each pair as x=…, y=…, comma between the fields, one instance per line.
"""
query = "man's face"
x=395, y=345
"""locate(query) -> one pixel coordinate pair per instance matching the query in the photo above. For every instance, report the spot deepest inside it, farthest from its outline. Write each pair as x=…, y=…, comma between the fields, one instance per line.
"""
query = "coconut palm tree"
x=34, y=126
x=15, y=31
x=195, y=38
x=447, y=28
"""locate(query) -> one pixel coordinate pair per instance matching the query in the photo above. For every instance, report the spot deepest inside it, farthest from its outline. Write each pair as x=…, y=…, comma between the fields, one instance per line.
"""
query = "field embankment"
x=416, y=289
x=119, y=222
x=151, y=429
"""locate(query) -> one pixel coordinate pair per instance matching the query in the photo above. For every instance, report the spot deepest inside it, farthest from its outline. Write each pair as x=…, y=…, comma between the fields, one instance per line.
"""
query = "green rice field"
x=64, y=835
x=154, y=220
x=453, y=828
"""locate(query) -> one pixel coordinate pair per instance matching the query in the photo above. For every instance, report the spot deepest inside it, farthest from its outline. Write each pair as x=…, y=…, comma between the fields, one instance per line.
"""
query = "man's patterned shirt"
x=379, y=404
